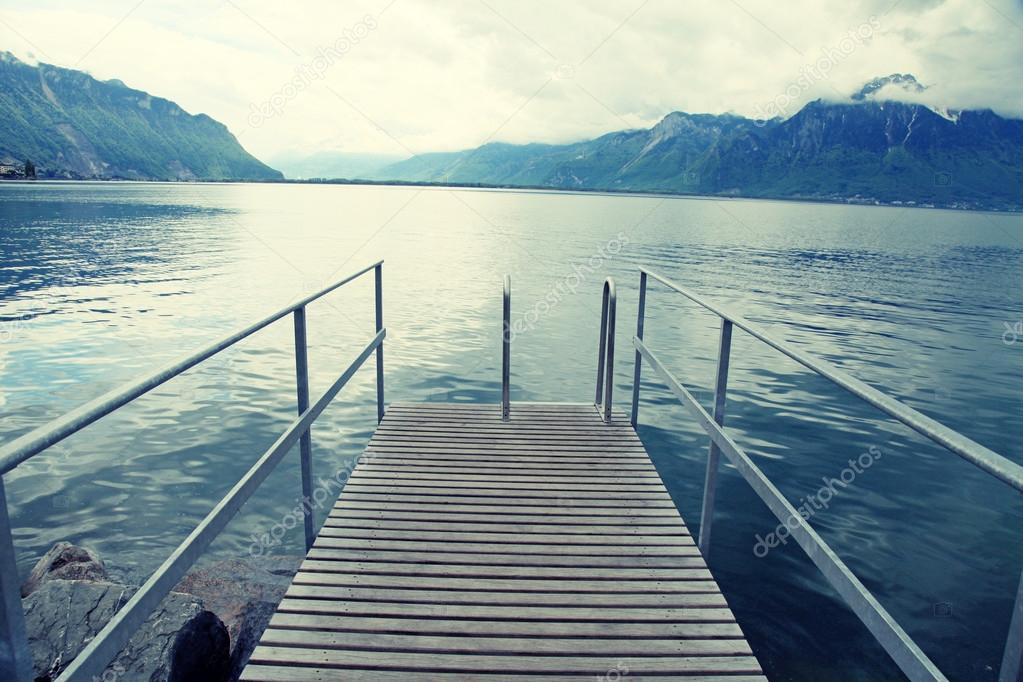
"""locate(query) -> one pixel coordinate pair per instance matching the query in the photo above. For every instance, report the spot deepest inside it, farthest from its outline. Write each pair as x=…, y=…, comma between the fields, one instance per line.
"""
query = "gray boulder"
x=65, y=561
x=180, y=641
x=244, y=594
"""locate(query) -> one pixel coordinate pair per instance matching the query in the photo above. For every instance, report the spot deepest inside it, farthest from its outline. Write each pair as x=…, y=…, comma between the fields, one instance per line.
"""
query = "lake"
x=103, y=281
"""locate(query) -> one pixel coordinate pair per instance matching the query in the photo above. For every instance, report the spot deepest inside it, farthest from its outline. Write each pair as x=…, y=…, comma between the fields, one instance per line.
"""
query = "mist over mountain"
x=866, y=149
x=71, y=125
x=330, y=164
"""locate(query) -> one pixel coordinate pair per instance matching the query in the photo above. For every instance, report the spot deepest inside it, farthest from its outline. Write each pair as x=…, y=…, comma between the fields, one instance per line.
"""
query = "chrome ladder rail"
x=606, y=351
x=506, y=351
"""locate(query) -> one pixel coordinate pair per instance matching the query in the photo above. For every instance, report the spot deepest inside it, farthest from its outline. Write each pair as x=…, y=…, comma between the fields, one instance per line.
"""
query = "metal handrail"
x=506, y=352
x=606, y=352
x=990, y=461
x=20, y=449
x=15, y=657
x=903, y=650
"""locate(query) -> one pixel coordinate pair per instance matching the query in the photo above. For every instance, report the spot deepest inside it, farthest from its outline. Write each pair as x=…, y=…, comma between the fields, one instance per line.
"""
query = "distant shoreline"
x=536, y=189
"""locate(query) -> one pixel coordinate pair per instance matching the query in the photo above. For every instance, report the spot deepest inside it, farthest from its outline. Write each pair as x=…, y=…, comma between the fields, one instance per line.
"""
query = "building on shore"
x=11, y=168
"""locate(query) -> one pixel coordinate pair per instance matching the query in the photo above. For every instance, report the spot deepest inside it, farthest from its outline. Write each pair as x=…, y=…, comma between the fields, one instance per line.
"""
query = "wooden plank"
x=509, y=476
x=623, y=562
x=404, y=609
x=345, y=514
x=365, y=475
x=389, y=433
x=516, y=584
x=530, y=505
x=697, y=571
x=588, y=416
x=510, y=628
x=504, y=645
x=395, y=468
x=359, y=481
x=277, y=673
x=492, y=492
x=467, y=430
x=469, y=536
x=538, y=467
x=629, y=509
x=495, y=449
x=545, y=437
x=443, y=662
x=384, y=456
x=581, y=410
x=447, y=420
x=544, y=547
x=503, y=527
x=554, y=548
x=568, y=601
x=520, y=417
x=583, y=414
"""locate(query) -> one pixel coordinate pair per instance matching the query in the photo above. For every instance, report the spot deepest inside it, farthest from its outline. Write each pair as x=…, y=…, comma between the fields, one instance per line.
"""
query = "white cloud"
x=449, y=75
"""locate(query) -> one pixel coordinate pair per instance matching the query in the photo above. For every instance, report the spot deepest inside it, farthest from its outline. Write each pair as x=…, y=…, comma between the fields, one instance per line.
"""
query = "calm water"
x=103, y=281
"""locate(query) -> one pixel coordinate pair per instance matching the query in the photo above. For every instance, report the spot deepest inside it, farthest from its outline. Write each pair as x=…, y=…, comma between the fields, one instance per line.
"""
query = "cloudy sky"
x=408, y=76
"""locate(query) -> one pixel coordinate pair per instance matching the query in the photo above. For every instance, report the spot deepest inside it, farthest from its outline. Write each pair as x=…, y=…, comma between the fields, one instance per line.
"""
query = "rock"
x=244, y=594
x=65, y=561
x=181, y=640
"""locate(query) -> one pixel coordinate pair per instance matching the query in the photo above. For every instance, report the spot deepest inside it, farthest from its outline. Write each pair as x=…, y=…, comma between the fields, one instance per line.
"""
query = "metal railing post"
x=610, y=372
x=306, y=442
x=598, y=397
x=1012, y=659
x=506, y=352
x=379, y=283
x=714, y=453
x=15, y=656
x=640, y=318
x=606, y=352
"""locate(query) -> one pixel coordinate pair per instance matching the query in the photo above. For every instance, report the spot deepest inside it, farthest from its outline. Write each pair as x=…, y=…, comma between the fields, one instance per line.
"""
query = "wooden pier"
x=532, y=541
x=542, y=547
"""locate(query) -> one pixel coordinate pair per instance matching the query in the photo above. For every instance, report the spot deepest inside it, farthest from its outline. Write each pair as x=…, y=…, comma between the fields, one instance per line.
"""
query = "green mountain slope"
x=74, y=126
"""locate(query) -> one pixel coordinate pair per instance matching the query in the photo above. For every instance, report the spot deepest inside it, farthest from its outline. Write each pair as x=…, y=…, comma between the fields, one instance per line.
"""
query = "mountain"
x=868, y=149
x=657, y=158
x=883, y=151
x=906, y=82
x=332, y=164
x=74, y=126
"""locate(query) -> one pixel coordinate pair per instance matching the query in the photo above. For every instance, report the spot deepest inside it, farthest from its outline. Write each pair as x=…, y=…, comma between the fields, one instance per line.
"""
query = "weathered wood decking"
x=545, y=547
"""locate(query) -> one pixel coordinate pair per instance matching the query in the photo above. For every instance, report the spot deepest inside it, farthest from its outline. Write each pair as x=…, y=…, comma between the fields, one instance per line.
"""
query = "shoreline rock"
x=244, y=593
x=180, y=640
x=65, y=561
x=205, y=630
